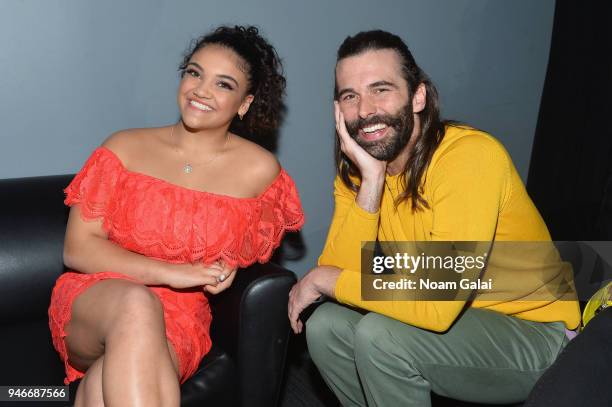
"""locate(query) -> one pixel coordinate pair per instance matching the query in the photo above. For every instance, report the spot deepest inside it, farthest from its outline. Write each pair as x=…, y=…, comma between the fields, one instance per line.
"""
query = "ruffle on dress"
x=165, y=221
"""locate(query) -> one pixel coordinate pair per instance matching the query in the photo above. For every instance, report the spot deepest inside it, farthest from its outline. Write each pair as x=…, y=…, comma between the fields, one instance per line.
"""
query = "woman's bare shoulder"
x=128, y=143
x=258, y=165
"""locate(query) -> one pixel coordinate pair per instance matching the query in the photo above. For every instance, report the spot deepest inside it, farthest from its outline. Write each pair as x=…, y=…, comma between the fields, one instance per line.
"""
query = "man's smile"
x=373, y=132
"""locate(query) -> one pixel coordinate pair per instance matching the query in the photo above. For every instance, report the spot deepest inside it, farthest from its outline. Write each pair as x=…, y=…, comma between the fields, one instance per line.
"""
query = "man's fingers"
x=293, y=318
x=290, y=303
x=343, y=128
x=336, y=116
x=293, y=324
x=340, y=124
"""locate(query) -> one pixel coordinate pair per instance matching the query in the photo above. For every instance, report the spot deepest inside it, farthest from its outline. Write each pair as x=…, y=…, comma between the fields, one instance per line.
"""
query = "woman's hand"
x=193, y=275
x=226, y=278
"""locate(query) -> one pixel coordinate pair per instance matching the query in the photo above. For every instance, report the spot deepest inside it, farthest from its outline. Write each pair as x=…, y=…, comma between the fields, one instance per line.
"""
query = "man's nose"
x=366, y=107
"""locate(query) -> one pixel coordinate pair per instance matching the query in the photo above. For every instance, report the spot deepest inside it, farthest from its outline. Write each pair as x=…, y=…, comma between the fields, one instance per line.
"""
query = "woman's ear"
x=244, y=107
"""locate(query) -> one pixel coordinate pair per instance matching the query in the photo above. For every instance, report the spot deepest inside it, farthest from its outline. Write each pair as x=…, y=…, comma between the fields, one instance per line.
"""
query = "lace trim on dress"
x=166, y=221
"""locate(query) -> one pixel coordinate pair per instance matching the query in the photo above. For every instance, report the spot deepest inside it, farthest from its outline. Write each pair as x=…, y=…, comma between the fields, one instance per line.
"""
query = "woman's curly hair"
x=264, y=71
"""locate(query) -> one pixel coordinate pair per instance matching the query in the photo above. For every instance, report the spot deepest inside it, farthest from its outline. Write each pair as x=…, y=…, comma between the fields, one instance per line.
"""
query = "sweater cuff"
x=348, y=287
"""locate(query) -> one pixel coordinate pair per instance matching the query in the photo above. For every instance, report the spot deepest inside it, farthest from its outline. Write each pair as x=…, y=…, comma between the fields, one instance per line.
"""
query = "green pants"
x=372, y=360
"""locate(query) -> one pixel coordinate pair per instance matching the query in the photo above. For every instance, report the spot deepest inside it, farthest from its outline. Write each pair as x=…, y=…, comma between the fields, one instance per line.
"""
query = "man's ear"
x=419, y=99
x=246, y=103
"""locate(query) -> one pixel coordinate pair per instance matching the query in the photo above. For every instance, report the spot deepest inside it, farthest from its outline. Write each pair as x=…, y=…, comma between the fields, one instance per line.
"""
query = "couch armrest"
x=250, y=323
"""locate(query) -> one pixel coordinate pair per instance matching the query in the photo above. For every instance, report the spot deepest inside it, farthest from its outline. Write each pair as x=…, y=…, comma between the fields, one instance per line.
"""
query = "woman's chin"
x=200, y=125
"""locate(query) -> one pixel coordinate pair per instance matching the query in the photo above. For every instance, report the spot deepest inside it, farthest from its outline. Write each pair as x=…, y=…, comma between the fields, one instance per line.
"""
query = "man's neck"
x=399, y=163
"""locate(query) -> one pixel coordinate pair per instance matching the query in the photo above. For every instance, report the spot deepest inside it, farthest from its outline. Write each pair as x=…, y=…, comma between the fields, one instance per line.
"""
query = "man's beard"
x=388, y=148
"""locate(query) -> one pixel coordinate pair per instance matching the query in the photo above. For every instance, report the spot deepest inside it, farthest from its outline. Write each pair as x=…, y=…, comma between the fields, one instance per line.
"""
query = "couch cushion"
x=27, y=355
x=32, y=228
x=215, y=383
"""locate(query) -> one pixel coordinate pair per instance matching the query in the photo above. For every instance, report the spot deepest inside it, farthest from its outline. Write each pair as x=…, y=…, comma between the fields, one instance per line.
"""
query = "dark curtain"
x=570, y=175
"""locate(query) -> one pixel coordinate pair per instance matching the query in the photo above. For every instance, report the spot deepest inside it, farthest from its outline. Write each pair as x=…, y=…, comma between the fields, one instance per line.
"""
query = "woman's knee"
x=139, y=299
x=107, y=307
x=137, y=307
x=114, y=303
x=107, y=299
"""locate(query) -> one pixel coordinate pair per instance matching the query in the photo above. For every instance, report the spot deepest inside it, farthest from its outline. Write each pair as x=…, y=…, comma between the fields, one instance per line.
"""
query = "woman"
x=161, y=216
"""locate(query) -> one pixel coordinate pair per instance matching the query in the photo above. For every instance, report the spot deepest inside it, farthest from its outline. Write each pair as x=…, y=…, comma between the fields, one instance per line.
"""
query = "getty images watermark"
x=486, y=271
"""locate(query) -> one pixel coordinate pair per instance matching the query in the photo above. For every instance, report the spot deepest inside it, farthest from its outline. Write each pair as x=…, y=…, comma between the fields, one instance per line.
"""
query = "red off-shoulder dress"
x=174, y=224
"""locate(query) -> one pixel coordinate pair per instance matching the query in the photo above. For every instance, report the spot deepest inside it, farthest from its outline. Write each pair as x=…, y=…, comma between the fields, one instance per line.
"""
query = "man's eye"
x=225, y=85
x=381, y=90
x=348, y=97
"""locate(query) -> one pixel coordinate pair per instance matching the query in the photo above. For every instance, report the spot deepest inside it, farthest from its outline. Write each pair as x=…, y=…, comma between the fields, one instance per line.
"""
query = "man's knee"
x=371, y=336
x=375, y=341
x=327, y=326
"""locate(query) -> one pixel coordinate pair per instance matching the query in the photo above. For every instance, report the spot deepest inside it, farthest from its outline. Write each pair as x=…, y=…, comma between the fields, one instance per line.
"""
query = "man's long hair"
x=431, y=126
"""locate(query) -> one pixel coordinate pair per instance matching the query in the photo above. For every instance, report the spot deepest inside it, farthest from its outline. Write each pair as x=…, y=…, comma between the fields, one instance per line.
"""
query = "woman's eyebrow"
x=196, y=65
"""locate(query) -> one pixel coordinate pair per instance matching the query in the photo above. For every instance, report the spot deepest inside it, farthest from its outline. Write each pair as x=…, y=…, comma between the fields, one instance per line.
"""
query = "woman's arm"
x=88, y=250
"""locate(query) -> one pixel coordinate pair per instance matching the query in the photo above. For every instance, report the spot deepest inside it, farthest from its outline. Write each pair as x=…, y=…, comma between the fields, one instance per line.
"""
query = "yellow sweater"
x=474, y=194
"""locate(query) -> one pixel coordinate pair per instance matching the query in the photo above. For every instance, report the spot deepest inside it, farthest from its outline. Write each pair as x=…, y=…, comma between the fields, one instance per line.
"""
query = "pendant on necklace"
x=187, y=169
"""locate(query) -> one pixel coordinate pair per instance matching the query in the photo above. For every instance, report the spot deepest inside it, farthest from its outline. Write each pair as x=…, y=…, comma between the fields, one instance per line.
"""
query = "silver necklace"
x=188, y=167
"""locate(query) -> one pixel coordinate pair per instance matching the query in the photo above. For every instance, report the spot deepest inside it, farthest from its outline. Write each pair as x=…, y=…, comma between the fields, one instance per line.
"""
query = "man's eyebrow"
x=382, y=83
x=227, y=77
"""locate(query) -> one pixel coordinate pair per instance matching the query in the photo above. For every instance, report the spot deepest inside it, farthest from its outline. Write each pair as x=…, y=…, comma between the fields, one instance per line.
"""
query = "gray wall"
x=73, y=71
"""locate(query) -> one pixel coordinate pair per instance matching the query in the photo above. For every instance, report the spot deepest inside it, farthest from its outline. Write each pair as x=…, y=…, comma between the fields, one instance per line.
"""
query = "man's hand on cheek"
x=318, y=281
x=369, y=167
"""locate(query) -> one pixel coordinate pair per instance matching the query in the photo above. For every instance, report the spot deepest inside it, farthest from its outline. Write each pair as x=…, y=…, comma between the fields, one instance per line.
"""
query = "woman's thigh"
x=95, y=313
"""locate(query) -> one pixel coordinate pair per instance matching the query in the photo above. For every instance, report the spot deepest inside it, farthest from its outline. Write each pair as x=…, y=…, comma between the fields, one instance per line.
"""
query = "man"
x=404, y=175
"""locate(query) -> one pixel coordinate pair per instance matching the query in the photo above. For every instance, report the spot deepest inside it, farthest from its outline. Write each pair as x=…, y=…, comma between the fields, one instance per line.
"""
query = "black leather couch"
x=249, y=329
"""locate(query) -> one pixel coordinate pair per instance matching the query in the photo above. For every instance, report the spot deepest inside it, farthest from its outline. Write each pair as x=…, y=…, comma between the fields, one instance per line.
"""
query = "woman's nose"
x=202, y=90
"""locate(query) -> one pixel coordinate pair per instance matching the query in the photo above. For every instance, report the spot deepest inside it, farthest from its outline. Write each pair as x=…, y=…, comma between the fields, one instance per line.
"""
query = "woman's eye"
x=192, y=72
x=225, y=85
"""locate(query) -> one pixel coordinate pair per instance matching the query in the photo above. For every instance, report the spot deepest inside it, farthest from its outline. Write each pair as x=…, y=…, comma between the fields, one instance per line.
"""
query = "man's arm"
x=469, y=187
x=351, y=225
x=355, y=221
x=355, y=217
